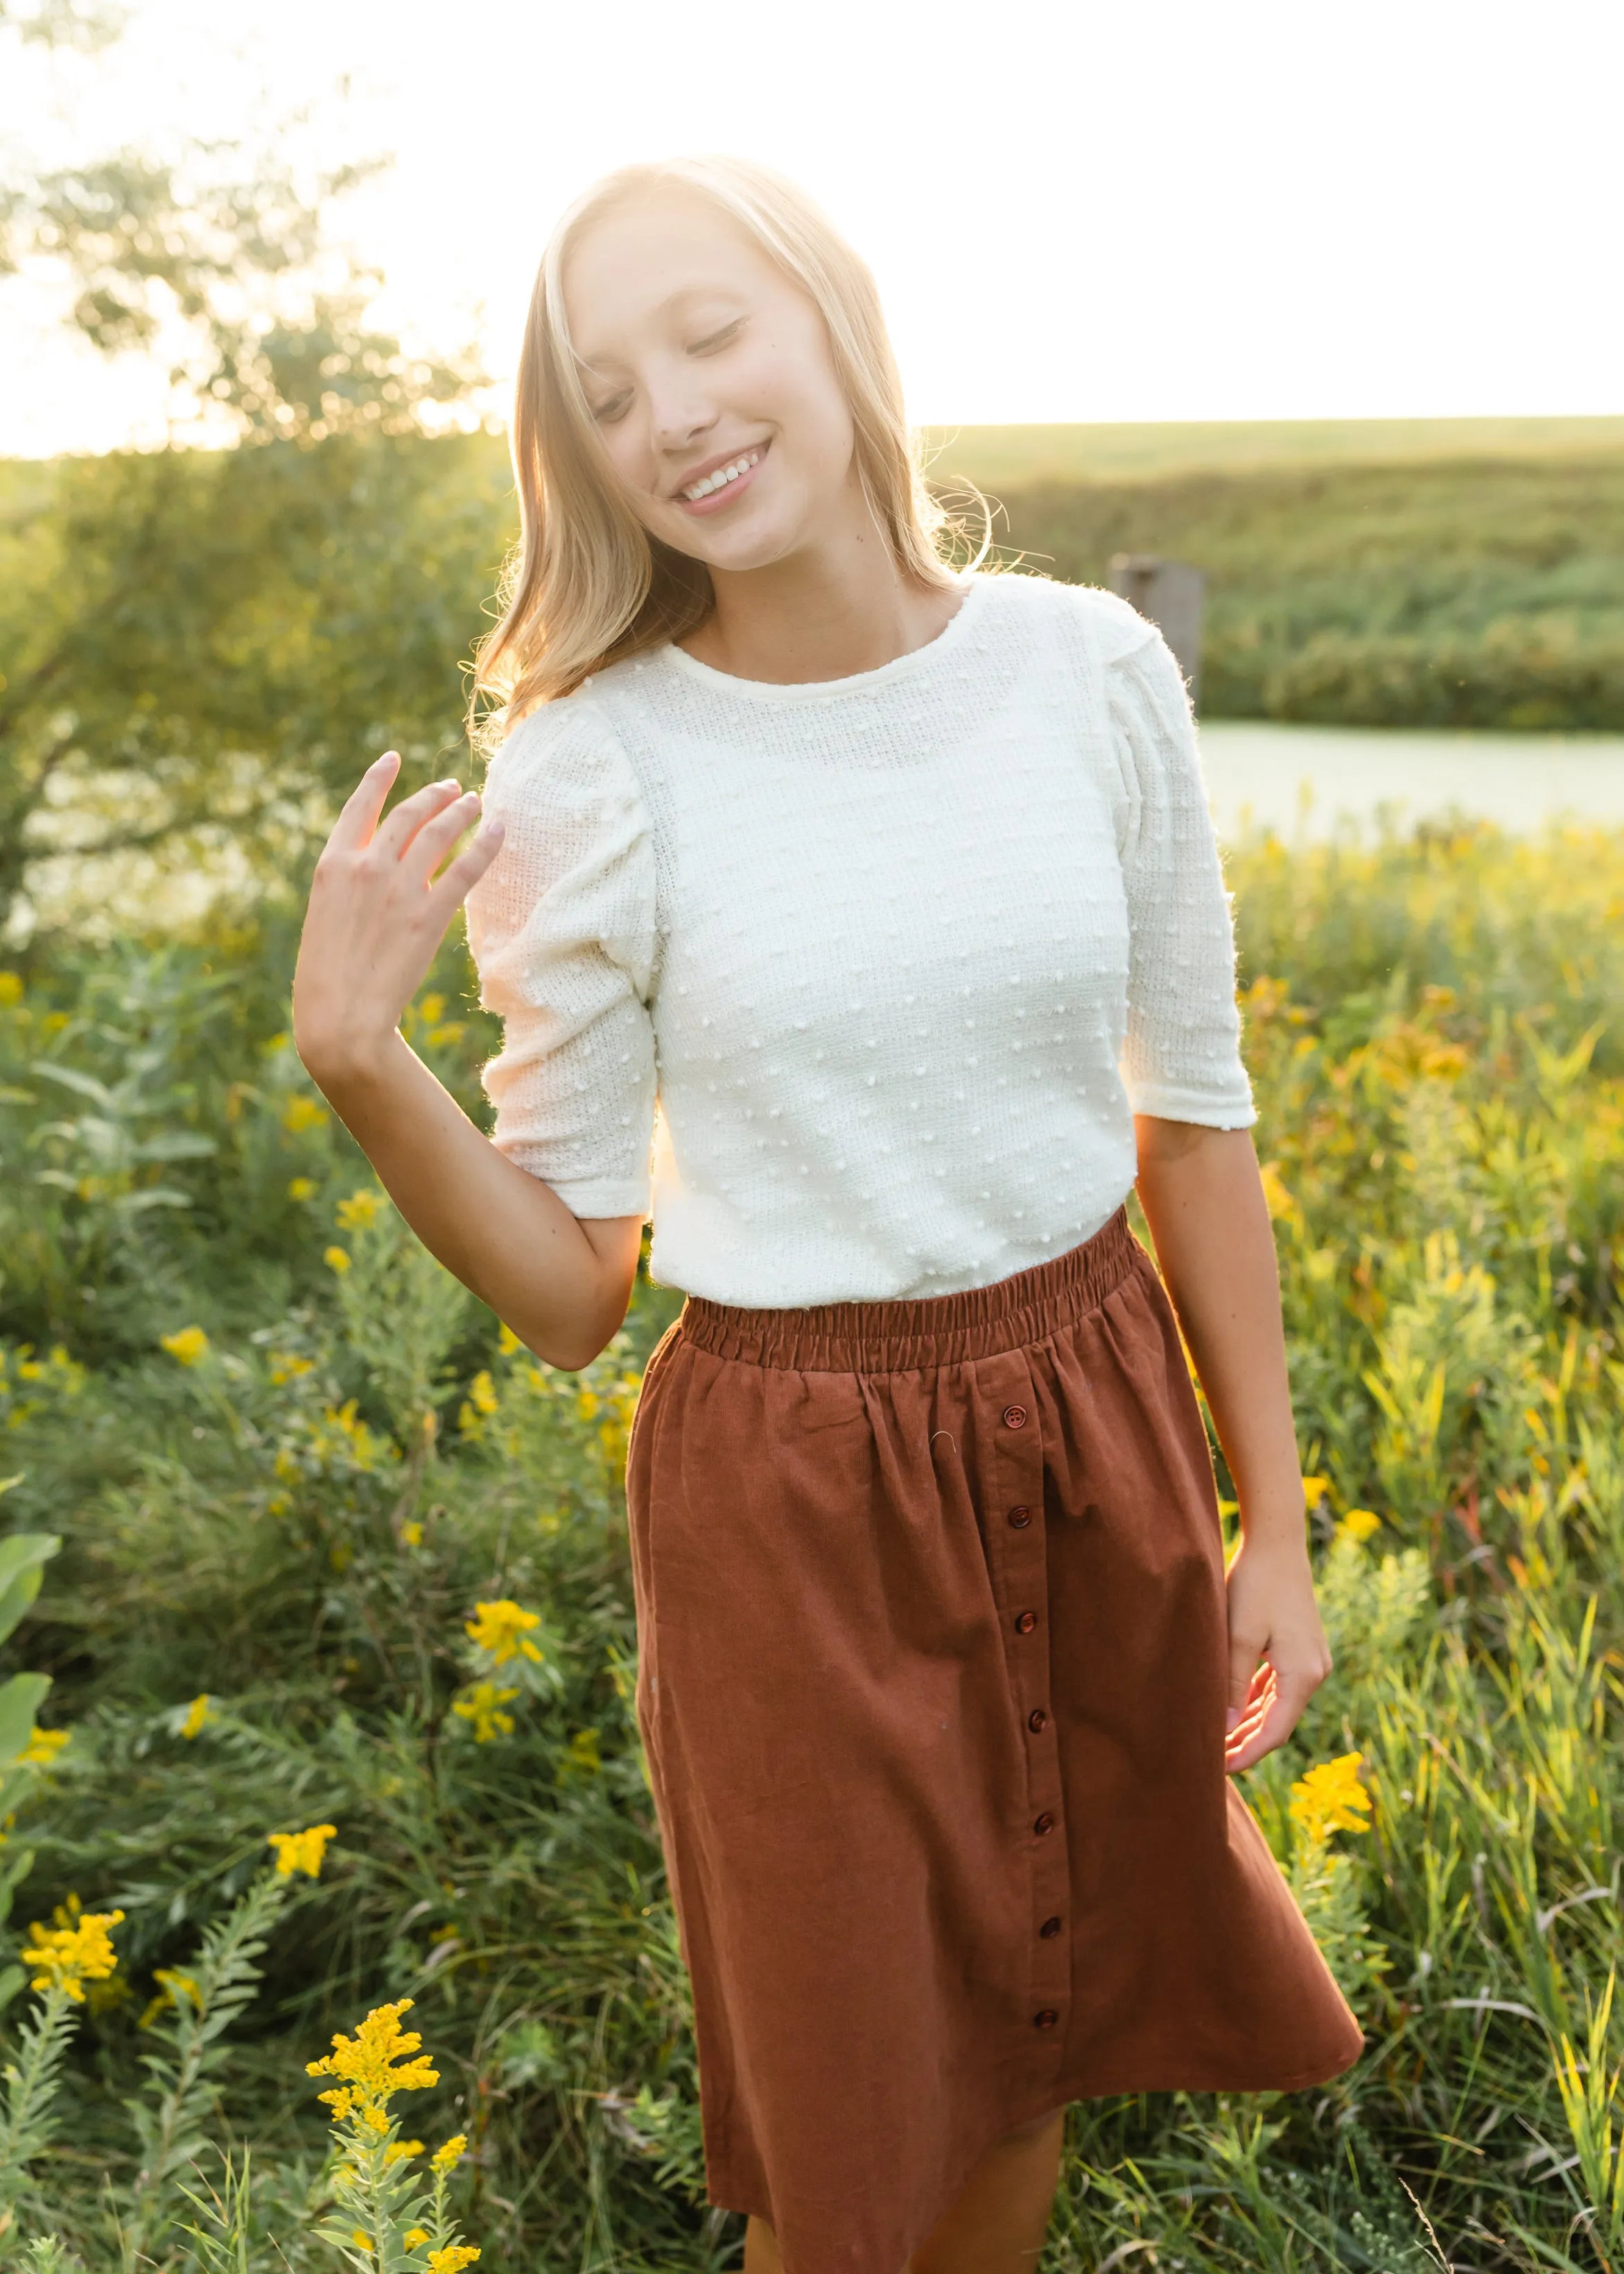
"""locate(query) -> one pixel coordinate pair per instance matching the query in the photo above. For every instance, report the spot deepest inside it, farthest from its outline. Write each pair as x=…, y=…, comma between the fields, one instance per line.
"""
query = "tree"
x=209, y=643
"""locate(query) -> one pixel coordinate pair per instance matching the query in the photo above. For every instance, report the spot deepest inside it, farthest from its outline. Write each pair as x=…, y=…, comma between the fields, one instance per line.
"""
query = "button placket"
x=1015, y=1531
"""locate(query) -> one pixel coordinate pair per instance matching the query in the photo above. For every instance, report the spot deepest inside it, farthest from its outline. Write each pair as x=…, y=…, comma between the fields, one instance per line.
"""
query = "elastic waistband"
x=888, y=1337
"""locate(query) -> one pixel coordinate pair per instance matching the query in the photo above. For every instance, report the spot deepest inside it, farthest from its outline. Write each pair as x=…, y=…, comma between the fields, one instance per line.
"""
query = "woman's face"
x=710, y=377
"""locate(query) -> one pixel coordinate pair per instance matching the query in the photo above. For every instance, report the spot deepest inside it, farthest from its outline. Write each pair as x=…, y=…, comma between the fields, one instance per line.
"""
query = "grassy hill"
x=995, y=457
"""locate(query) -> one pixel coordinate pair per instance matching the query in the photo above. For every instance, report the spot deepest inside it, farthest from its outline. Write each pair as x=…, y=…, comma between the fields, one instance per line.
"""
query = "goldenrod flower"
x=301, y=1851
x=374, y=2065
x=583, y=1752
x=11, y=990
x=507, y=1342
x=502, y=1628
x=481, y=1703
x=44, y=1745
x=284, y=1365
x=399, y=2149
x=414, y=2238
x=446, y=2158
x=482, y=1393
x=432, y=1009
x=337, y=1259
x=359, y=1210
x=1359, y=1524
x=302, y=1188
x=452, y=2261
x=301, y=1113
x=411, y=1533
x=362, y=2240
x=189, y=1344
x=1330, y=1798
x=198, y=1716
x=63, y=1957
x=1314, y=1490
x=173, y=1985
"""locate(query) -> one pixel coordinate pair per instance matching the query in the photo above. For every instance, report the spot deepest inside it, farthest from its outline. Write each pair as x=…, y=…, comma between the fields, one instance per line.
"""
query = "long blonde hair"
x=587, y=584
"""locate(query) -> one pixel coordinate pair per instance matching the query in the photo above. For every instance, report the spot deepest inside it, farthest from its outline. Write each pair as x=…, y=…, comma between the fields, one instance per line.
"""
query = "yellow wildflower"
x=1331, y=1798
x=1314, y=1490
x=1359, y=1524
x=374, y=2065
x=432, y=1009
x=64, y=1957
x=337, y=1259
x=584, y=1753
x=302, y=1188
x=481, y=1703
x=414, y=2238
x=446, y=2158
x=44, y=1745
x=189, y=1344
x=359, y=1210
x=362, y=2240
x=173, y=1985
x=453, y=2260
x=286, y=1467
x=412, y=1533
x=301, y=1851
x=286, y=1366
x=11, y=989
x=503, y=1629
x=482, y=1393
x=199, y=1715
x=399, y=2149
x=301, y=1113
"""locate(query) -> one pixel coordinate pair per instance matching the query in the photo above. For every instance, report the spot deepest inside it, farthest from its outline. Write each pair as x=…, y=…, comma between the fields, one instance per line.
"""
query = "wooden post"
x=1173, y=595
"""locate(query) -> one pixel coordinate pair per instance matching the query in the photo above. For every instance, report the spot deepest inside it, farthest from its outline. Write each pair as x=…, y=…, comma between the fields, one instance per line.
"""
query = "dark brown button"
x=1046, y=2020
x=1037, y=1721
x=1045, y=1823
x=1050, y=1929
x=1014, y=1417
x=1025, y=1624
x=1020, y=1517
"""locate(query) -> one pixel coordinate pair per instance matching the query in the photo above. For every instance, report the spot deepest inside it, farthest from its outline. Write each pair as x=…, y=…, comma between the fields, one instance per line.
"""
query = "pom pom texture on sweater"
x=857, y=985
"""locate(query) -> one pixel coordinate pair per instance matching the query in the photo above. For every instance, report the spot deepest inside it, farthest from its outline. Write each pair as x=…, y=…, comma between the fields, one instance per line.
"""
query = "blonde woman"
x=862, y=921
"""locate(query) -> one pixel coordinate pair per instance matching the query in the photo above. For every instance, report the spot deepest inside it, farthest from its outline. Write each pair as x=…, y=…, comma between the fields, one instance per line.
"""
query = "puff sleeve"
x=562, y=930
x=1181, y=1060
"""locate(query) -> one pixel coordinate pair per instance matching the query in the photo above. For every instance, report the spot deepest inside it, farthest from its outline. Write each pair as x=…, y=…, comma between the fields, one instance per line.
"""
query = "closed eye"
x=714, y=340
x=615, y=408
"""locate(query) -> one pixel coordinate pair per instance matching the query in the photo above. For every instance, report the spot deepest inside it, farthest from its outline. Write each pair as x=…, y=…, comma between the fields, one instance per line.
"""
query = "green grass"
x=297, y=1523
x=1000, y=457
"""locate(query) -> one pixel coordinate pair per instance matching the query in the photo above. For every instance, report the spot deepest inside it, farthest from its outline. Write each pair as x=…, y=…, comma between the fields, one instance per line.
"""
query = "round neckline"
x=859, y=682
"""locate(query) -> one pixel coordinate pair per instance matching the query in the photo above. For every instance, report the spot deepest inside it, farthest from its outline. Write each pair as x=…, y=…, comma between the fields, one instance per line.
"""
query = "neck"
x=835, y=609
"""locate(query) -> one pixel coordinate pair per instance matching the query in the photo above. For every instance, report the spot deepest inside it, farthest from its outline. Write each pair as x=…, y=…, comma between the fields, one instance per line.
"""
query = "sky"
x=1157, y=209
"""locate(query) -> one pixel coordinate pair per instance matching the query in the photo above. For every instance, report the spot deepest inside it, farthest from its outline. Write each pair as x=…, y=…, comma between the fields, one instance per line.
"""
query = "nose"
x=681, y=412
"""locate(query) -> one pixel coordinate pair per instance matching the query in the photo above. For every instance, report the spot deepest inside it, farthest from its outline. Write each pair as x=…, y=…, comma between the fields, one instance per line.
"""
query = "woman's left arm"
x=1203, y=1200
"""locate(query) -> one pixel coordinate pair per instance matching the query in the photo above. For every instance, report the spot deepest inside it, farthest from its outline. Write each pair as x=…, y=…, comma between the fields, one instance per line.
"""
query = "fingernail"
x=1231, y=1719
x=497, y=829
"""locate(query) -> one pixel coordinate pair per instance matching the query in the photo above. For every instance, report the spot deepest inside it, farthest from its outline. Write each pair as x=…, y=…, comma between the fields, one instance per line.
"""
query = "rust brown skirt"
x=932, y=1607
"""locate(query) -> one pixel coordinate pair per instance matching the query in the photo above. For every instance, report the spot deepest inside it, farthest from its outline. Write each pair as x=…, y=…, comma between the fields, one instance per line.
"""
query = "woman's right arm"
x=378, y=913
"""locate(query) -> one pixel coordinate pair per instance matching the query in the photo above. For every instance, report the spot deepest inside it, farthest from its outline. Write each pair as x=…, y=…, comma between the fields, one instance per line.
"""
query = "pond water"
x=1298, y=780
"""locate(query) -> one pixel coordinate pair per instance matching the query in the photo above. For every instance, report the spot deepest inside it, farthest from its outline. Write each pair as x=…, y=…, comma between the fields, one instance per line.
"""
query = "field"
x=1000, y=457
x=335, y=1554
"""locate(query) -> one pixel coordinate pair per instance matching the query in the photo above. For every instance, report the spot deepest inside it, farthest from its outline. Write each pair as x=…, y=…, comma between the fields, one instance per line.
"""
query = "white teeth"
x=722, y=477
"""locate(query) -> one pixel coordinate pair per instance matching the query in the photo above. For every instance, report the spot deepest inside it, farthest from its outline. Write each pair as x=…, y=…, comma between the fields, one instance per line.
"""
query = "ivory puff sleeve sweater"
x=857, y=985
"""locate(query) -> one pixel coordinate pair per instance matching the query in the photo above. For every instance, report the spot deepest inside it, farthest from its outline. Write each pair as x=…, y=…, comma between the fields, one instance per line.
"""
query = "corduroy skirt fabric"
x=932, y=1683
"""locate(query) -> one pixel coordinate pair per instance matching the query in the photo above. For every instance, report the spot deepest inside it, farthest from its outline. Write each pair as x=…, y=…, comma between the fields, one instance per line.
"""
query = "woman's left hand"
x=1278, y=1653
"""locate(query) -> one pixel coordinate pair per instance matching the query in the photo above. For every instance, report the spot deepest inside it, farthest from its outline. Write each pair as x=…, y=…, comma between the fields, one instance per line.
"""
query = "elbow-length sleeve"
x=1181, y=1060
x=562, y=929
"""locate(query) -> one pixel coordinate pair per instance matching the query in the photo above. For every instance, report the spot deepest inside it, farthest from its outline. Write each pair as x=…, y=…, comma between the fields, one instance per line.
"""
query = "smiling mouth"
x=724, y=477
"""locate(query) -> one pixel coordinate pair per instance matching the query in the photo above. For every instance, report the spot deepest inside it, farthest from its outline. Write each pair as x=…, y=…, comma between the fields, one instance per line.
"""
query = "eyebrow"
x=663, y=307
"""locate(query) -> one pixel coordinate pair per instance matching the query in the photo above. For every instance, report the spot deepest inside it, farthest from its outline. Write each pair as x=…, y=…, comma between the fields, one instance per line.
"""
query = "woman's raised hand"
x=377, y=914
